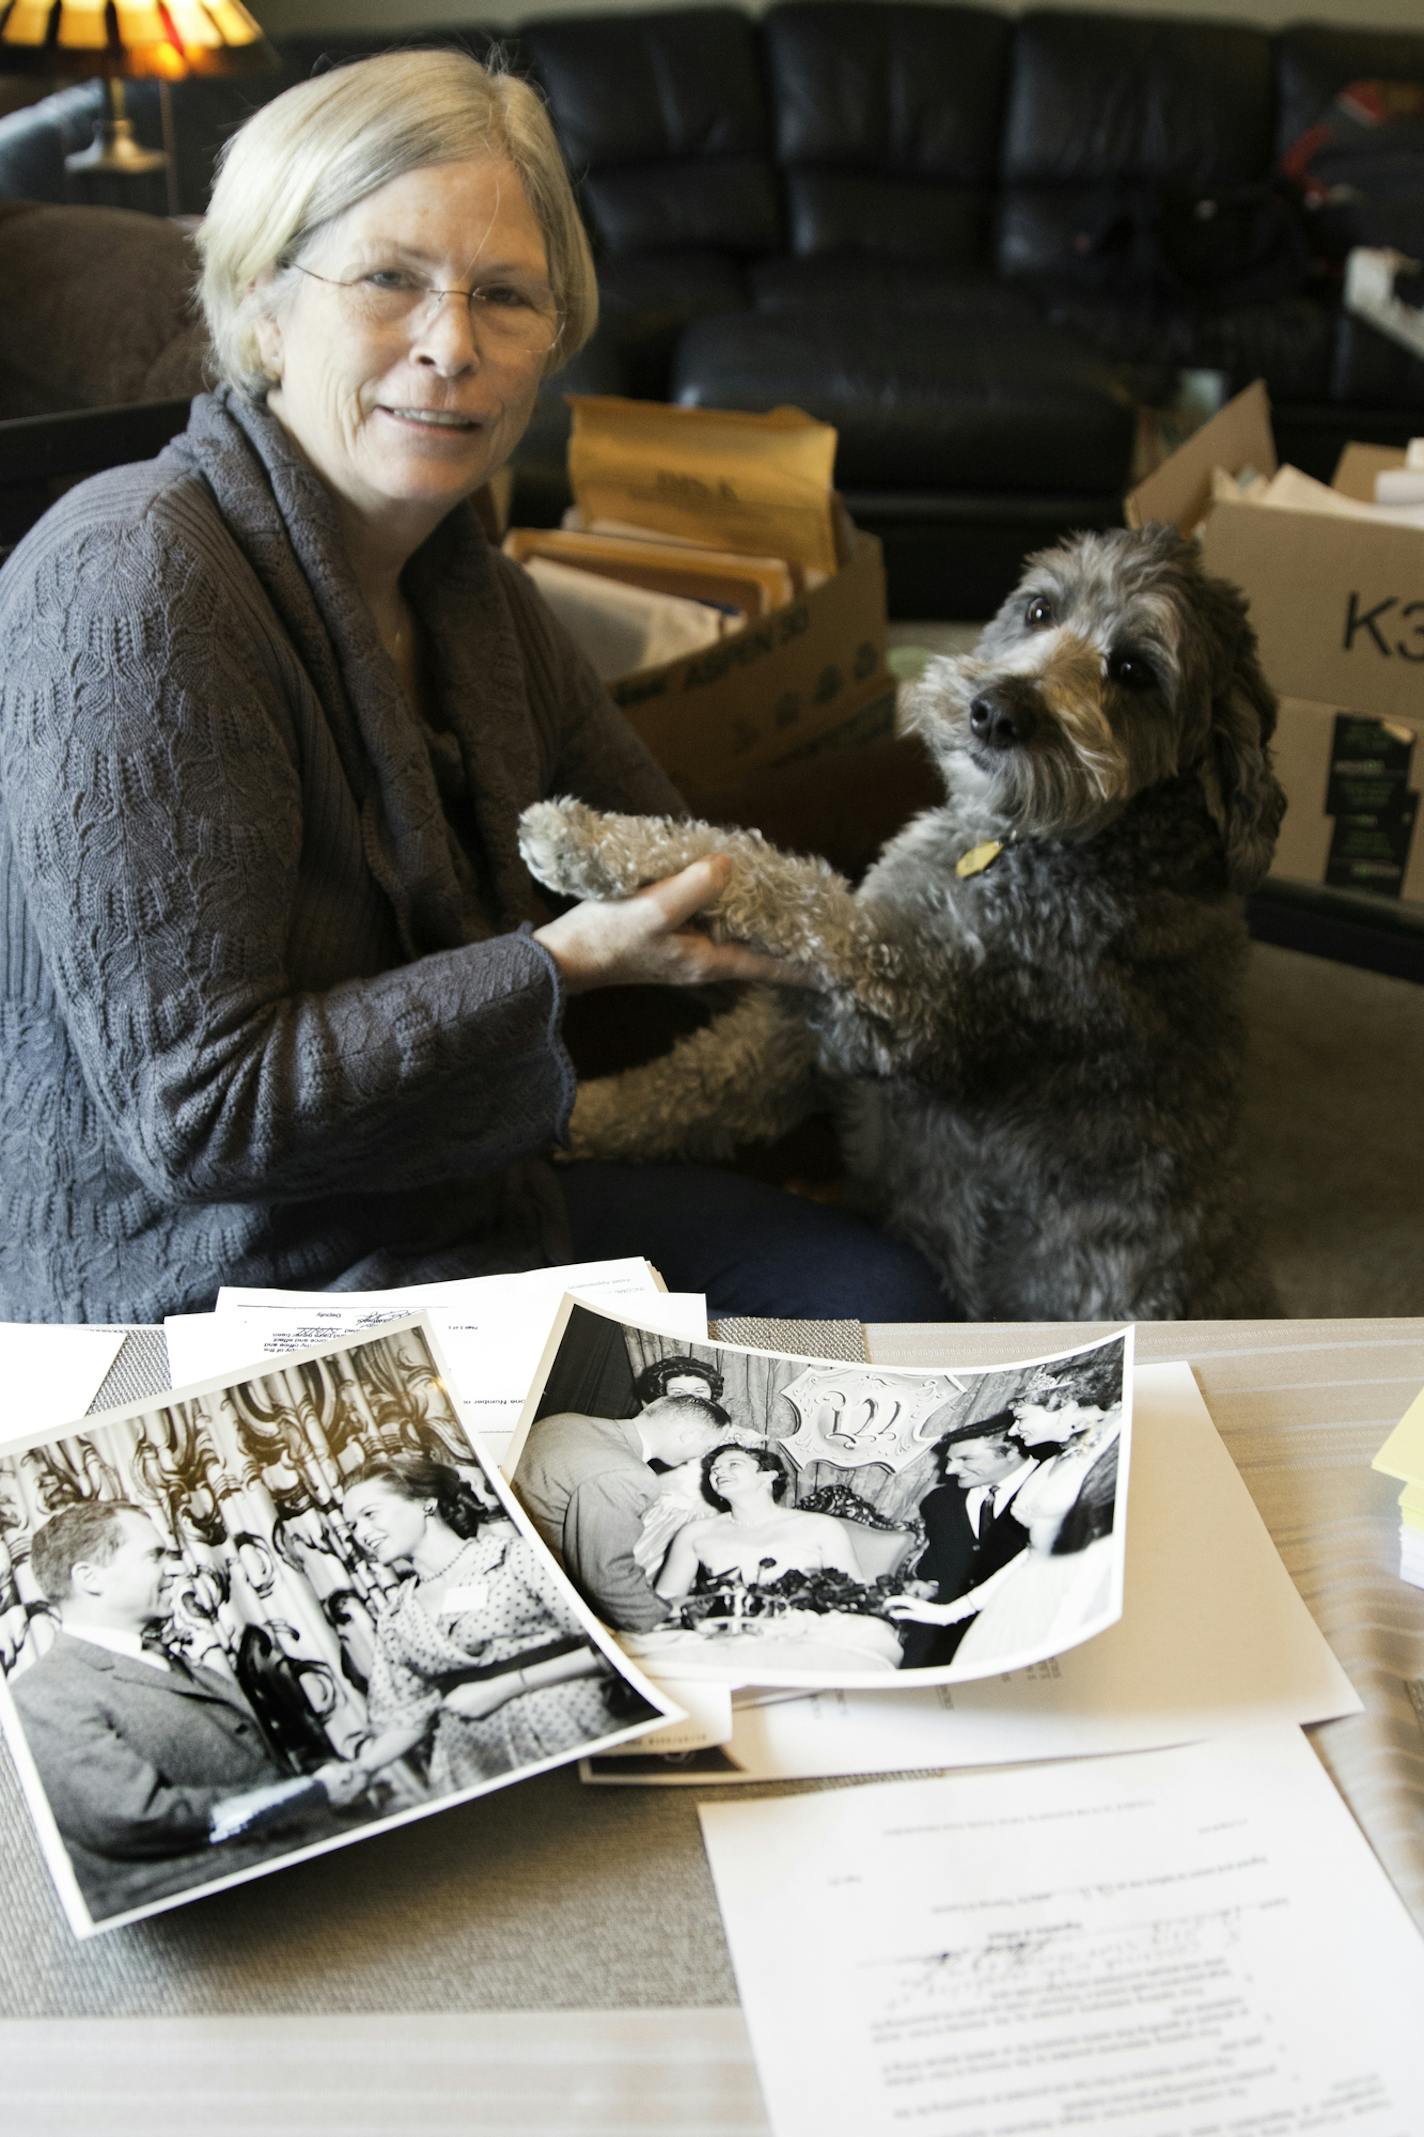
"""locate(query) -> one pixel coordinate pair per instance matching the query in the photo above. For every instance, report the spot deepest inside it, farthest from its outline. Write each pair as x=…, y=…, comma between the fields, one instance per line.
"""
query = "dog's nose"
x=1002, y=721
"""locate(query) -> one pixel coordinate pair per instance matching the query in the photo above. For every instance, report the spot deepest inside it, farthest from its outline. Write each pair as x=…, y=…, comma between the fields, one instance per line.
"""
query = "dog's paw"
x=595, y=853
x=566, y=846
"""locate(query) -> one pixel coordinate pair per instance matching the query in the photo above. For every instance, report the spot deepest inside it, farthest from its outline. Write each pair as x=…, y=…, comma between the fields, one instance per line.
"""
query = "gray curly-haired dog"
x=1029, y=1013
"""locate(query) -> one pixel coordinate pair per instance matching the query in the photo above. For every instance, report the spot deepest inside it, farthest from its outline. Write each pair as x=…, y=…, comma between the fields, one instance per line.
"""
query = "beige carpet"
x=1335, y=1120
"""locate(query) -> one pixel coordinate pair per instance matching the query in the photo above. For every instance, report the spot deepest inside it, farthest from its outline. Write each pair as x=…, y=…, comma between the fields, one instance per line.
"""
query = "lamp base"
x=114, y=150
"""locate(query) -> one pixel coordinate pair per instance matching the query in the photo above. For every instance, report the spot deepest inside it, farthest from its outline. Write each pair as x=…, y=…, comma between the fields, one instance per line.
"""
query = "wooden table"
x=1302, y=1405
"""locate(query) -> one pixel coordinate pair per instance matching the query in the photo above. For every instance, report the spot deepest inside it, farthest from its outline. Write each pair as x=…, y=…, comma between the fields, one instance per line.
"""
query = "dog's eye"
x=1039, y=612
x=1131, y=671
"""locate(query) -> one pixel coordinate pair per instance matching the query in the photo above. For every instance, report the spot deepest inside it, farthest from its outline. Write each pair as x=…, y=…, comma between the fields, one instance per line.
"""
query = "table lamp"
x=123, y=40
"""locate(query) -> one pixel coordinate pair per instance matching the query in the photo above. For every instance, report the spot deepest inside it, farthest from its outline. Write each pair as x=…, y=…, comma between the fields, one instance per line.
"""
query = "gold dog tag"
x=978, y=858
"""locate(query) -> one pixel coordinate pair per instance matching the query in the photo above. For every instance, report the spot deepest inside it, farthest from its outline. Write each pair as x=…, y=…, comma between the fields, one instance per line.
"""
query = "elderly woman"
x=282, y=1005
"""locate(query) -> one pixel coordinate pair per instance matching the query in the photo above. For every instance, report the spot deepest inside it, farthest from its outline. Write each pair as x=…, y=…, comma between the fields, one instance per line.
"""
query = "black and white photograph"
x=778, y=1520
x=259, y=1619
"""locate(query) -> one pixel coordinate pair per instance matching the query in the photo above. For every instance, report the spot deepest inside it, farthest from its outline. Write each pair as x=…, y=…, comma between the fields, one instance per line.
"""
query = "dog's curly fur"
x=1037, y=1066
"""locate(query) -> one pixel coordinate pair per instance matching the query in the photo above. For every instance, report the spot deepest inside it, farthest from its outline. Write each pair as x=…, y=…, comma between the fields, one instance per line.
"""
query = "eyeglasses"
x=506, y=319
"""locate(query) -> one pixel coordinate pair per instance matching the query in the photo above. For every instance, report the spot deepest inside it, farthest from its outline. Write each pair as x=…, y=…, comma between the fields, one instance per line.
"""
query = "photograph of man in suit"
x=140, y=1754
x=970, y=1532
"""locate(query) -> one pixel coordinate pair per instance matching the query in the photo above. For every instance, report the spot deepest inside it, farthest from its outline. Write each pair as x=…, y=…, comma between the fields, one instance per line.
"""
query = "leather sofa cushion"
x=646, y=300
x=923, y=403
x=76, y=334
x=679, y=283
x=852, y=282
x=1113, y=97
x=1102, y=102
x=948, y=225
x=727, y=206
x=1287, y=342
x=664, y=122
x=38, y=137
x=887, y=123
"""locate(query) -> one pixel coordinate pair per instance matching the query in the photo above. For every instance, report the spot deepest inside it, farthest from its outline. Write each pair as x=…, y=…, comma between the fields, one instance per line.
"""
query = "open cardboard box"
x=788, y=725
x=1338, y=608
x=745, y=726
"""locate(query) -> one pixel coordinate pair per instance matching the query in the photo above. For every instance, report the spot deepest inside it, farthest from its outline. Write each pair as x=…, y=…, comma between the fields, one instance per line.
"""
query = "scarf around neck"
x=283, y=518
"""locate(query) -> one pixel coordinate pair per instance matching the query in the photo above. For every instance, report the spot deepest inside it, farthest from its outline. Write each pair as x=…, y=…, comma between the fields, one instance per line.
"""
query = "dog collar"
x=978, y=858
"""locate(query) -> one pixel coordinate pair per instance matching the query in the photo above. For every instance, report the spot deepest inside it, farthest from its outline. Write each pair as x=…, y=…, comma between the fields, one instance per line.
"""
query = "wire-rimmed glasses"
x=507, y=318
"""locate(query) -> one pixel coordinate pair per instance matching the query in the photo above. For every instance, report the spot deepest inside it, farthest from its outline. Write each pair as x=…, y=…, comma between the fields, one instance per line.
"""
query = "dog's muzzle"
x=1005, y=714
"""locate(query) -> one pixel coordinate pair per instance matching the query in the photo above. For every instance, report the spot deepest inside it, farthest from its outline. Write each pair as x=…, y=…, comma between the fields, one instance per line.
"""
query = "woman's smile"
x=403, y=418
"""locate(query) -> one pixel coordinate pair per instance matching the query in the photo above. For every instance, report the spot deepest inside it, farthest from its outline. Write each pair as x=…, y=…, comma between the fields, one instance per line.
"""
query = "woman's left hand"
x=474, y=1701
x=916, y=1610
x=644, y=939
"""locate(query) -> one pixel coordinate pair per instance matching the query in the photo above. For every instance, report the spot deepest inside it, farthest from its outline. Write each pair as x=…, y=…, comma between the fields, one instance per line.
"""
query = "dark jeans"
x=752, y=1248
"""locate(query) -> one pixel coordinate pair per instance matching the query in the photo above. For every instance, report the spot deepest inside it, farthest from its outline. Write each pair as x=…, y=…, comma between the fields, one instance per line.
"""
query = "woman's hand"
x=482, y=1695
x=644, y=940
x=915, y=1609
x=344, y=1780
x=472, y=1702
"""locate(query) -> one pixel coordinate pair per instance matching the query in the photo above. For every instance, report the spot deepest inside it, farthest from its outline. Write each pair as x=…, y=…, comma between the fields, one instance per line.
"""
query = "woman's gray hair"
x=319, y=148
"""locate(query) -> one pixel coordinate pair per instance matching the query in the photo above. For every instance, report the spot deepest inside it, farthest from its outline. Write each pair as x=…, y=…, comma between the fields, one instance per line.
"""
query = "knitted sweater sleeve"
x=154, y=785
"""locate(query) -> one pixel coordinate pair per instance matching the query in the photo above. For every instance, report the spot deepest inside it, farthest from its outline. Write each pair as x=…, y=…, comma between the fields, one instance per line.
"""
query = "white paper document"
x=706, y=1719
x=491, y=1329
x=1213, y=1636
x=51, y=1373
x=1166, y=1945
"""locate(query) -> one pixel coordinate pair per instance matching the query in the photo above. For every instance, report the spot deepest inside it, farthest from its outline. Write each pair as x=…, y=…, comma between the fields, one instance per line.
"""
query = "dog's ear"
x=1242, y=790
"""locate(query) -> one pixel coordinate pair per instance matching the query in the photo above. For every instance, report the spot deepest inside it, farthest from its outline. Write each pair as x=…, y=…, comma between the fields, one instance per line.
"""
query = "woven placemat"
x=816, y=1339
x=139, y=1371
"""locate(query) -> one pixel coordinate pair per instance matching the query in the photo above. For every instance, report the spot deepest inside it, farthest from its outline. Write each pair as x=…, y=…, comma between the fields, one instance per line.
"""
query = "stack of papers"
x=491, y=1329
x=1156, y=1915
x=688, y=525
x=1402, y=1456
x=1189, y=1658
x=1290, y=490
x=1190, y=1941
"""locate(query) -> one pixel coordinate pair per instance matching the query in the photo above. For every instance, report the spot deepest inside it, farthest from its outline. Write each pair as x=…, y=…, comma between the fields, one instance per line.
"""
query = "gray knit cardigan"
x=270, y=1012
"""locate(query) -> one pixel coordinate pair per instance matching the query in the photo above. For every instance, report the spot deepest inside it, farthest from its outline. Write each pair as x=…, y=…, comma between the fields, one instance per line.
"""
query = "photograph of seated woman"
x=751, y=1534
x=480, y=1668
x=270, y=707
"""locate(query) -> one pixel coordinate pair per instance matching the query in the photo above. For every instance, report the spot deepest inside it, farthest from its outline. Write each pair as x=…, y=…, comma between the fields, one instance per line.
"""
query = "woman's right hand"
x=914, y=1609
x=644, y=940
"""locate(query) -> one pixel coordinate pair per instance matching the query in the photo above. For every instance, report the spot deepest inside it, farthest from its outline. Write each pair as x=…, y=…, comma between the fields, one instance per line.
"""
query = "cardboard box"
x=1352, y=820
x=1338, y=609
x=756, y=708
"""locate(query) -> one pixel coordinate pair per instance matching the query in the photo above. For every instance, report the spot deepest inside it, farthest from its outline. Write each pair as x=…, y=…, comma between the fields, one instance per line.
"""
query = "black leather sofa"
x=903, y=215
